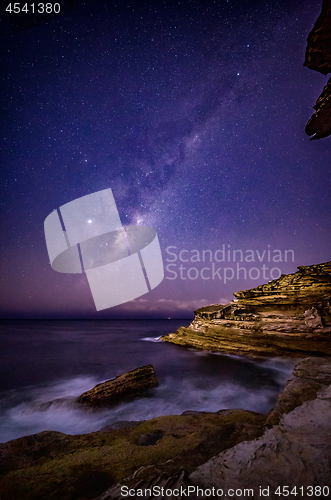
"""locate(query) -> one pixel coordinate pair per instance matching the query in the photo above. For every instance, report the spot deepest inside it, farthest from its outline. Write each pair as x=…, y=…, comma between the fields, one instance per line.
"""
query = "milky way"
x=193, y=113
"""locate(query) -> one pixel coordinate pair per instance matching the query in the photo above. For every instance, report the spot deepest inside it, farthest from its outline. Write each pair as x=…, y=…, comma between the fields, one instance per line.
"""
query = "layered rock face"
x=123, y=386
x=287, y=316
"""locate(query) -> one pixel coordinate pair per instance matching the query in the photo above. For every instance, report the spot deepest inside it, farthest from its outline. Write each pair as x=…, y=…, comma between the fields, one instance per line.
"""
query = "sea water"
x=46, y=364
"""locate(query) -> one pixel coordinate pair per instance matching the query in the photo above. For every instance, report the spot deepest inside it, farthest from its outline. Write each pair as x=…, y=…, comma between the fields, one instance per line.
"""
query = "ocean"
x=46, y=364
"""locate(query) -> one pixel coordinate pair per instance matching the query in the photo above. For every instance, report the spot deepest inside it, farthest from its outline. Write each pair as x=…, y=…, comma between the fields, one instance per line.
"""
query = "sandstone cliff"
x=288, y=316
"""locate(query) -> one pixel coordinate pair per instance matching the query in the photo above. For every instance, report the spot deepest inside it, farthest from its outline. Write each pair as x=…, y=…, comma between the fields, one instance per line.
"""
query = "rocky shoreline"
x=289, y=316
x=291, y=445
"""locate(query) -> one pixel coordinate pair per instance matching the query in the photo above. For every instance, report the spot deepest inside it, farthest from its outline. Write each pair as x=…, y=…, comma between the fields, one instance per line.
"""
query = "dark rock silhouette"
x=318, y=58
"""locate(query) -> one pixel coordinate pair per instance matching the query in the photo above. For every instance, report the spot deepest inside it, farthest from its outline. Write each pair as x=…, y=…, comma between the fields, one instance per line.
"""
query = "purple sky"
x=193, y=113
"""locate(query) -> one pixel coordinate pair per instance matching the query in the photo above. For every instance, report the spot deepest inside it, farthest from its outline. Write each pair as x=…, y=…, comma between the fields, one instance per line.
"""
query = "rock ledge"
x=288, y=316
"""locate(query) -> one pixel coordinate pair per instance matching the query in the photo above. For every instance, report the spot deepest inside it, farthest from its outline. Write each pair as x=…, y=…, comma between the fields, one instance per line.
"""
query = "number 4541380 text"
x=40, y=8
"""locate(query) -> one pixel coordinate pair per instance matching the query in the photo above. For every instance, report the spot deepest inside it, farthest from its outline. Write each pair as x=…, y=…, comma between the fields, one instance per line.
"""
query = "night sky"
x=193, y=113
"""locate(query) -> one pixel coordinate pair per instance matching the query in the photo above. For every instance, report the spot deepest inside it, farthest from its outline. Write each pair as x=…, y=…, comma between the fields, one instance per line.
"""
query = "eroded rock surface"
x=310, y=376
x=296, y=452
x=123, y=386
x=287, y=316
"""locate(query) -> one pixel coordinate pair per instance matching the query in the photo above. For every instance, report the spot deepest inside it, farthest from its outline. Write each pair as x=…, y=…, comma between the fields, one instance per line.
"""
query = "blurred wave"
x=188, y=379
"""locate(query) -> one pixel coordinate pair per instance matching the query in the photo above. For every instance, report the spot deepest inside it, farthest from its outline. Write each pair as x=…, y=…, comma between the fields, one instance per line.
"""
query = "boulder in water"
x=113, y=391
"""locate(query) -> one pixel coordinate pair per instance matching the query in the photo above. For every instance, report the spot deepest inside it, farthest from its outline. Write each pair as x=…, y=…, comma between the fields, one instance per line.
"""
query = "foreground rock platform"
x=53, y=466
x=289, y=316
x=112, y=392
x=295, y=453
x=310, y=377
